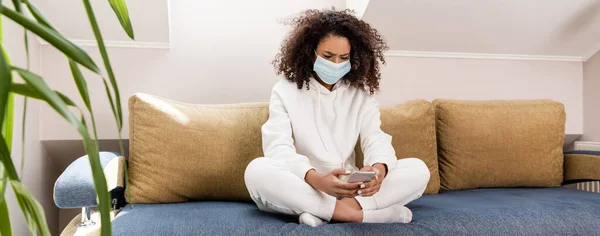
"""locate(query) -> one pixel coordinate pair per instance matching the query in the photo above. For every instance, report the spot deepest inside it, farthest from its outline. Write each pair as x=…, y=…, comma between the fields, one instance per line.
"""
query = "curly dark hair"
x=296, y=58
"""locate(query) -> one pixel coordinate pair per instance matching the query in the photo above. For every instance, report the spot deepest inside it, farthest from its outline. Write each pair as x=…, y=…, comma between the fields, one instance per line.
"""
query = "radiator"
x=590, y=186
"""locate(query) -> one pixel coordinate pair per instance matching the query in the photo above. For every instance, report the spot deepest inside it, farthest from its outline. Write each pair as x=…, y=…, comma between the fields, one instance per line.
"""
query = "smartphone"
x=358, y=176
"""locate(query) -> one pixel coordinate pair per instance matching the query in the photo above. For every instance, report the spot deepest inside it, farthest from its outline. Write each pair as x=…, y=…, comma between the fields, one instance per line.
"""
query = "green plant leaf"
x=7, y=129
x=31, y=209
x=1, y=22
x=52, y=37
x=26, y=43
x=6, y=113
x=11, y=173
x=19, y=9
x=35, y=211
x=75, y=71
x=110, y=99
x=5, y=82
x=25, y=90
x=117, y=110
x=6, y=119
x=37, y=84
x=3, y=180
x=120, y=9
x=99, y=182
x=5, y=75
x=81, y=84
x=5, y=228
x=23, y=115
x=90, y=145
x=38, y=15
x=77, y=76
x=17, y=5
x=106, y=60
x=9, y=167
x=23, y=124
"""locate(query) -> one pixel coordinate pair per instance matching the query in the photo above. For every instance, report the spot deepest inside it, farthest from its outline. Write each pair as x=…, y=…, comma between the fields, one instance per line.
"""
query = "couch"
x=497, y=168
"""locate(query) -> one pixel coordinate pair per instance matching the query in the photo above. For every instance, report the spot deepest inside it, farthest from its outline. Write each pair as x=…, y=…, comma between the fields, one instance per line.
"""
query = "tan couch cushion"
x=581, y=166
x=412, y=127
x=500, y=143
x=181, y=152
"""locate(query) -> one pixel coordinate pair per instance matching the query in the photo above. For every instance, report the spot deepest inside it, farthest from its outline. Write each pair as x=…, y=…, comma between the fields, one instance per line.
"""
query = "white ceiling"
x=150, y=19
x=521, y=27
x=526, y=27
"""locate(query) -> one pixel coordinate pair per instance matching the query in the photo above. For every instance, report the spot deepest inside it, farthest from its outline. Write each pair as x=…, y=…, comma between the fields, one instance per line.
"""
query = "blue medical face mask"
x=330, y=72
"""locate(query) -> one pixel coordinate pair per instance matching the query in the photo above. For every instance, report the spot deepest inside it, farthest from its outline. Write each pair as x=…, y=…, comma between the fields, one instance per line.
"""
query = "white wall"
x=591, y=99
x=430, y=78
x=38, y=176
x=219, y=80
x=221, y=52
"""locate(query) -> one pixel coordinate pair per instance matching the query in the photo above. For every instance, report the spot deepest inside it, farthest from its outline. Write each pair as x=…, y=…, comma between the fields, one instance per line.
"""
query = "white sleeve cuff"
x=300, y=168
x=390, y=162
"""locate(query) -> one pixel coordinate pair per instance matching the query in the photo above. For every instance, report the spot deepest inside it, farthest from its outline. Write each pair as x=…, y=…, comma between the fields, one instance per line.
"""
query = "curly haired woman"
x=330, y=62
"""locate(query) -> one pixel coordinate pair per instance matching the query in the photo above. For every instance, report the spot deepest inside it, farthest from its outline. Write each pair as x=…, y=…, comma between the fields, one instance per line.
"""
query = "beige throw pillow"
x=500, y=143
x=412, y=127
x=181, y=152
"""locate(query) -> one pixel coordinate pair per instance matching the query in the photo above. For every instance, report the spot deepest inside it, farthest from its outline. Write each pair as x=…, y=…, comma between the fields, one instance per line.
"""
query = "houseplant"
x=35, y=87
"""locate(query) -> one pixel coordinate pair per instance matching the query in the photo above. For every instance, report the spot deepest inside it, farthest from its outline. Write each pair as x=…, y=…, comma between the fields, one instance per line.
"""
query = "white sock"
x=310, y=220
x=392, y=214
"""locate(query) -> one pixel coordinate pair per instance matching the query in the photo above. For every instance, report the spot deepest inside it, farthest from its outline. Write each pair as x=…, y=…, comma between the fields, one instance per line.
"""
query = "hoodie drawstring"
x=318, y=118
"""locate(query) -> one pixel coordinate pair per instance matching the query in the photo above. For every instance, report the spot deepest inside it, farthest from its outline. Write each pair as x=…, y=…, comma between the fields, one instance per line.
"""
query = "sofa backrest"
x=181, y=152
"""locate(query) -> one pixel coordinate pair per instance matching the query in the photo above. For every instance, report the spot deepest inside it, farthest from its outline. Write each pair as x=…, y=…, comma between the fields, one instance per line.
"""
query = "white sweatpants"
x=274, y=188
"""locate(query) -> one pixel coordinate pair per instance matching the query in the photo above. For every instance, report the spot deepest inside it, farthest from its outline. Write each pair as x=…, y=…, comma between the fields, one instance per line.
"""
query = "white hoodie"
x=318, y=128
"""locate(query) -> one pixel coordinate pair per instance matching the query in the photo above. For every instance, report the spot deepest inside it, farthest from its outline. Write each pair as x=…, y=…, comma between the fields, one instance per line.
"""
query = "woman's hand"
x=372, y=187
x=331, y=184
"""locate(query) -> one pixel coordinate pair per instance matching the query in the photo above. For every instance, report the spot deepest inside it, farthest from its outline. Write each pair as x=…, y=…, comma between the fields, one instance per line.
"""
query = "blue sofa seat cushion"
x=510, y=211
